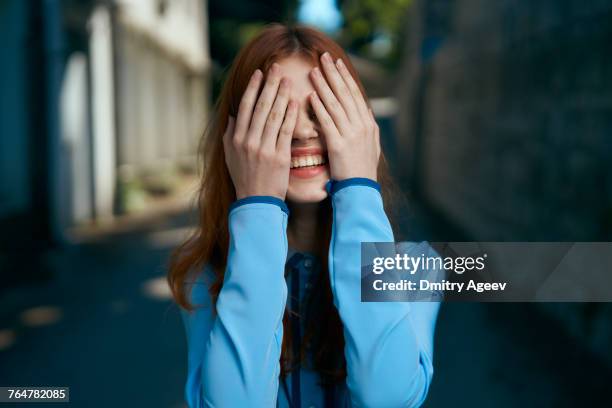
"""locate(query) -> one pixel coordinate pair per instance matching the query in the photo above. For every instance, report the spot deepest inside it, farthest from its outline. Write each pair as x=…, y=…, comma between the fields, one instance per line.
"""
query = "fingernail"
x=339, y=63
x=257, y=74
x=274, y=68
x=316, y=71
x=326, y=57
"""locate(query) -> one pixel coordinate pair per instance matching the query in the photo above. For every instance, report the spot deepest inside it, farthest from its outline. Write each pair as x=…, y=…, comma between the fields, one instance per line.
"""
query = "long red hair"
x=208, y=245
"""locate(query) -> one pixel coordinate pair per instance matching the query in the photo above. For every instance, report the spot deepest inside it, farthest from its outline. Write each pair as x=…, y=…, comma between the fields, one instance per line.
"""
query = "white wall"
x=162, y=83
x=103, y=112
x=75, y=161
x=181, y=29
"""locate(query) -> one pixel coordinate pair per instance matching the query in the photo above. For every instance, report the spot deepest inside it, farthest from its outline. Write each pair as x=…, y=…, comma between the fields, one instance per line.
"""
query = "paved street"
x=116, y=340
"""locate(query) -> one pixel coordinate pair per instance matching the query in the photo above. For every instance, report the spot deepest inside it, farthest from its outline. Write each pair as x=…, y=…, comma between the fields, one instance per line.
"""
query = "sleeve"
x=233, y=355
x=388, y=345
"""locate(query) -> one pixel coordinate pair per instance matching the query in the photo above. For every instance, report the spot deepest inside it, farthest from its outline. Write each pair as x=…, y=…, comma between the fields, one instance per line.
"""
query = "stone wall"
x=506, y=126
x=508, y=118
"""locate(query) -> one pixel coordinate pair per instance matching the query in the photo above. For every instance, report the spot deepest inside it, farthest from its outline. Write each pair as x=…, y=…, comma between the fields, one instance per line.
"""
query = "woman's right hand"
x=258, y=143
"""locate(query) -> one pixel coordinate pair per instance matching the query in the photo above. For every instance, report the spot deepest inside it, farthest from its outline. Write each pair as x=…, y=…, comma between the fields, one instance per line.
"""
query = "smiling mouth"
x=309, y=160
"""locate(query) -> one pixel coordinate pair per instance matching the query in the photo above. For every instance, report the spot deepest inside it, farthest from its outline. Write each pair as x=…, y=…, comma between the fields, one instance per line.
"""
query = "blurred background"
x=496, y=118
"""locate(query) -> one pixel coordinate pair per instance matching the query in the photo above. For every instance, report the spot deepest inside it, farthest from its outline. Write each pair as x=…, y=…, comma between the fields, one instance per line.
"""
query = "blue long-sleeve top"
x=233, y=354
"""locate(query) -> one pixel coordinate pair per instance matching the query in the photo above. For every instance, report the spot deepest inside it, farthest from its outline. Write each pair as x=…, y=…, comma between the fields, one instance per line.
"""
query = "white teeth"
x=305, y=161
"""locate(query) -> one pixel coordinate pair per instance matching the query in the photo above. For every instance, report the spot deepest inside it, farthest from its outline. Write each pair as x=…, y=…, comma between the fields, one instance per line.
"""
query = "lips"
x=307, y=162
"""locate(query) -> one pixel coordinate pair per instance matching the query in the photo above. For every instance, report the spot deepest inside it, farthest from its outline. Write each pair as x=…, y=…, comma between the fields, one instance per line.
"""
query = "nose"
x=305, y=127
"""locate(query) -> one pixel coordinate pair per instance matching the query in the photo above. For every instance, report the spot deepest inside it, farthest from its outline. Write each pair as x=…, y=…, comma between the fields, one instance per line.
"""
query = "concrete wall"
x=163, y=96
x=506, y=126
x=163, y=104
x=509, y=110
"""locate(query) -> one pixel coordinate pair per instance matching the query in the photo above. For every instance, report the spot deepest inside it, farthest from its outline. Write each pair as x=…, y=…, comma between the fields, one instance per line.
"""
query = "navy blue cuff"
x=333, y=186
x=260, y=199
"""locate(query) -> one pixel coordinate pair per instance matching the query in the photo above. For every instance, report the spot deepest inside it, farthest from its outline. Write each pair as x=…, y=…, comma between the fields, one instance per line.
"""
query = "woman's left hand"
x=351, y=133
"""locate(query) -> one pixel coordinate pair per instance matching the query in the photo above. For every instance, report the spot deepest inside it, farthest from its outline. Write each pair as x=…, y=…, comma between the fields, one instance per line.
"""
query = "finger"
x=275, y=118
x=283, y=144
x=371, y=115
x=376, y=131
x=247, y=102
x=332, y=105
x=264, y=103
x=342, y=92
x=360, y=102
x=229, y=130
x=325, y=120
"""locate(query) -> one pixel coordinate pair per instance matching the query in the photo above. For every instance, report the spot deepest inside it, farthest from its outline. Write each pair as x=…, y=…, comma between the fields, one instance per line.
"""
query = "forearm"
x=241, y=357
x=386, y=367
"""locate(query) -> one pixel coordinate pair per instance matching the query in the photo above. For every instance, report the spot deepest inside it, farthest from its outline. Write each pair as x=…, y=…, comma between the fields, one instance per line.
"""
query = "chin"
x=307, y=190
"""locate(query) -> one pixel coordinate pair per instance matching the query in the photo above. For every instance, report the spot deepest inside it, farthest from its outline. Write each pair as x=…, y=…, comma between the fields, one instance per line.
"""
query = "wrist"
x=260, y=199
x=253, y=193
x=333, y=186
x=353, y=173
x=354, y=176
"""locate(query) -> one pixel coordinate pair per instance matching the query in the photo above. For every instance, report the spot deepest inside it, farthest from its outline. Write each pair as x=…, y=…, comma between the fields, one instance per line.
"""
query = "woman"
x=292, y=185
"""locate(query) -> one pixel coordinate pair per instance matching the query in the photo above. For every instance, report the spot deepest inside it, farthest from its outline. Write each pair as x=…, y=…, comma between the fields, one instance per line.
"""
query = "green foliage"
x=227, y=38
x=373, y=29
x=367, y=20
x=233, y=23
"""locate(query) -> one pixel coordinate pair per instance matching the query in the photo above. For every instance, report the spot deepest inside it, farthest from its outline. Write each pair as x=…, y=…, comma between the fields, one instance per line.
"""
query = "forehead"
x=296, y=68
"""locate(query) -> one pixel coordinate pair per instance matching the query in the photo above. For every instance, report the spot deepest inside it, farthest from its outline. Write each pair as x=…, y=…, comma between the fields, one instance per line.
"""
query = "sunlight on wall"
x=157, y=289
x=41, y=316
x=169, y=238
